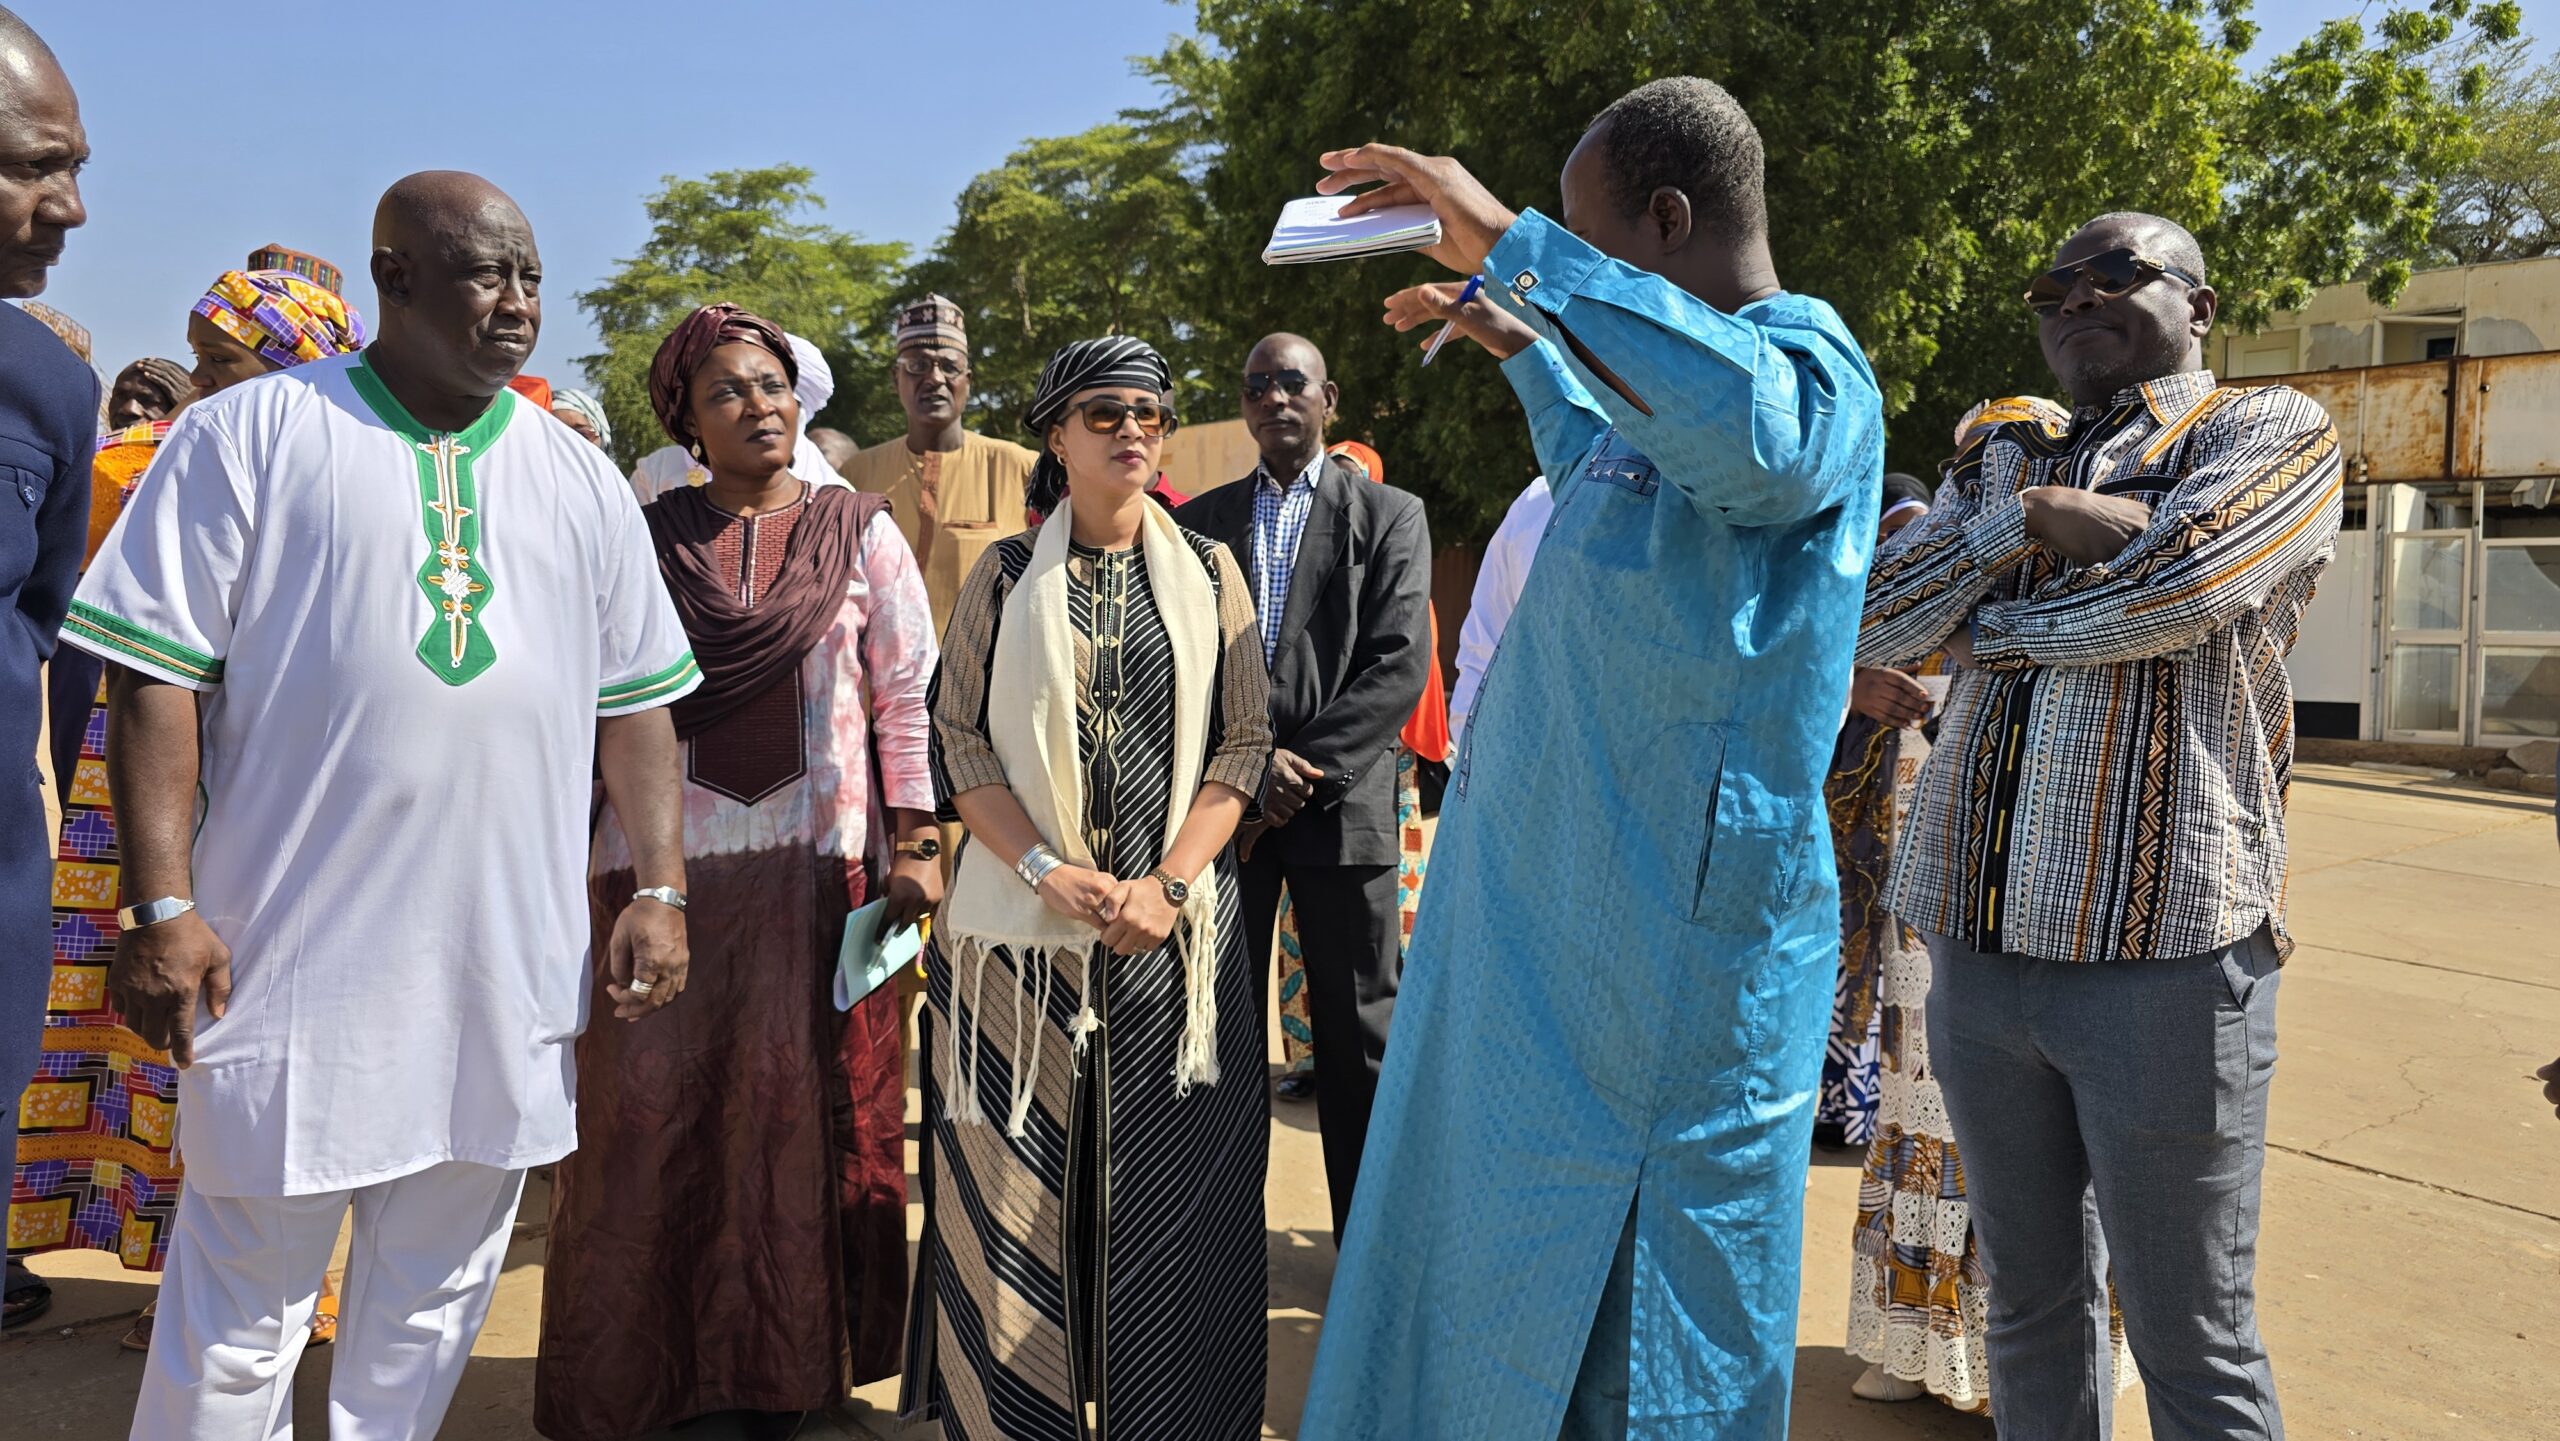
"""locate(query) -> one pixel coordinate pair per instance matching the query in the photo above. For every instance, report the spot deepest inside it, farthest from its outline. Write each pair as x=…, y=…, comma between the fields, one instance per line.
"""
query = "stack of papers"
x=1310, y=230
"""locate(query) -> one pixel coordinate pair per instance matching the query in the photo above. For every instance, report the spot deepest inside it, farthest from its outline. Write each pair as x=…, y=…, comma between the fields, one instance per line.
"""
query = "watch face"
x=1177, y=891
x=928, y=848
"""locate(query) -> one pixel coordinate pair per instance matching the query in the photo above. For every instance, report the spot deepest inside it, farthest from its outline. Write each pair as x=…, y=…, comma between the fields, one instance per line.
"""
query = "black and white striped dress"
x=1101, y=1278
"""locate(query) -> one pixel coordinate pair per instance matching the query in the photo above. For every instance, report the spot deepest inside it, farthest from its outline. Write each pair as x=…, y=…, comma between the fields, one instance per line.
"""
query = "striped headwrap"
x=298, y=262
x=286, y=319
x=1110, y=362
x=588, y=408
x=690, y=344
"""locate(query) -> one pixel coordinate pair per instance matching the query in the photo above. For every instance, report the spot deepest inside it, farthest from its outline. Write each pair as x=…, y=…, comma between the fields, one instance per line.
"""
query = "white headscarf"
x=816, y=384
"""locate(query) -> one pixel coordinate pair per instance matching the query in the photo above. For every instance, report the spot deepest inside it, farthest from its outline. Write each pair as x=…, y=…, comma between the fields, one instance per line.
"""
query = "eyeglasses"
x=1103, y=415
x=1292, y=383
x=2112, y=274
x=921, y=366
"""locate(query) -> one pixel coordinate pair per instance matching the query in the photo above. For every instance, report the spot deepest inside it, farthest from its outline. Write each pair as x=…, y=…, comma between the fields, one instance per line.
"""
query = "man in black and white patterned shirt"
x=2097, y=854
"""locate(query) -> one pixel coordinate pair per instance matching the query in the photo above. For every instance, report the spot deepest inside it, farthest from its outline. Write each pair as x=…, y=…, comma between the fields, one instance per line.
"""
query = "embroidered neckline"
x=457, y=585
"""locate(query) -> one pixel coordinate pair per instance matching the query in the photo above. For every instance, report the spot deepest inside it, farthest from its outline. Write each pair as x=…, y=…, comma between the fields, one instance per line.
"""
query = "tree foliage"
x=1074, y=237
x=1924, y=158
x=744, y=236
x=2504, y=203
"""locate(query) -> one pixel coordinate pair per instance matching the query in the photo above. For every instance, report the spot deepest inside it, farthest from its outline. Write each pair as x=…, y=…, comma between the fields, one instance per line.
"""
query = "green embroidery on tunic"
x=458, y=588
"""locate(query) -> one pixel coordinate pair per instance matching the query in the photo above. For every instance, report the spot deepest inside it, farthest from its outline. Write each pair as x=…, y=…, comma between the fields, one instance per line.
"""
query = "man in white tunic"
x=388, y=615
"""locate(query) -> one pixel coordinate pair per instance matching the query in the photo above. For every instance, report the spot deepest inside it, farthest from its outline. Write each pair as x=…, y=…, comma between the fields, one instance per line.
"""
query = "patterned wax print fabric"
x=97, y=1164
x=422, y=629
x=1918, y=1299
x=2109, y=782
x=1297, y=1029
x=950, y=505
x=1861, y=782
x=1113, y=1254
x=286, y=319
x=787, y=1140
x=1703, y=572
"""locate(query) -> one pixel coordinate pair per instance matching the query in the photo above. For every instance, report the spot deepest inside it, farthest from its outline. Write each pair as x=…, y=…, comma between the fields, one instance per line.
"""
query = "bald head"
x=1283, y=351
x=42, y=147
x=460, y=285
x=835, y=445
x=1288, y=401
x=2102, y=342
x=2158, y=236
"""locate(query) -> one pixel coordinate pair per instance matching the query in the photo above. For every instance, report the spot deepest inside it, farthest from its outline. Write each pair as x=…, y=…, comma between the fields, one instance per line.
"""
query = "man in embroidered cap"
x=953, y=491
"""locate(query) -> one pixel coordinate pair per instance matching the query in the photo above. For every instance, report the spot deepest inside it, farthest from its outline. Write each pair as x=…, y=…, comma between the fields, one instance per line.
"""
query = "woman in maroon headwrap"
x=731, y=1234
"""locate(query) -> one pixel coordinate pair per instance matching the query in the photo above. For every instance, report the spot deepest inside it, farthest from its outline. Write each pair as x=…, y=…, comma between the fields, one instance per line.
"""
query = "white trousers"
x=243, y=1280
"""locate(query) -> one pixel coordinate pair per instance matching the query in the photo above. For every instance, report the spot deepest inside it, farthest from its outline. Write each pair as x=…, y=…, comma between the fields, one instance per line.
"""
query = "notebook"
x=1309, y=230
x=867, y=960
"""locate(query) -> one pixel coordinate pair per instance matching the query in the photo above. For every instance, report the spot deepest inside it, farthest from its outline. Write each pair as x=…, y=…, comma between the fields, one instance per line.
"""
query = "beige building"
x=2440, y=619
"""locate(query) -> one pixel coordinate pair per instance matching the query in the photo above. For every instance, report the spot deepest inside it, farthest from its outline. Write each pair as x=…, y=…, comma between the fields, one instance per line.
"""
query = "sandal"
x=324, y=1322
x=27, y=1297
x=139, y=1338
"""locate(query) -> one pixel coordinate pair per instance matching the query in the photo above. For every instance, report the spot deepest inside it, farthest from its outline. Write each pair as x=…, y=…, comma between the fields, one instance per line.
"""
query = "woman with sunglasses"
x=1095, y=1116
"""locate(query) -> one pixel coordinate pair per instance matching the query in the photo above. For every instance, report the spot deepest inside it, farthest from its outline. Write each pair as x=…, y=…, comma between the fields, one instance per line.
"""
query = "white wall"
x=2332, y=660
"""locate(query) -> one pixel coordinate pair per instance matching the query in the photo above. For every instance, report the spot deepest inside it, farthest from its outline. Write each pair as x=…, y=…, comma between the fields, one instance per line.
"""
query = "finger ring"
x=642, y=988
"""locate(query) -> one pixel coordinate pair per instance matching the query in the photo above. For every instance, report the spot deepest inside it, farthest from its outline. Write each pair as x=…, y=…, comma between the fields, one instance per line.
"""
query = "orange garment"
x=121, y=459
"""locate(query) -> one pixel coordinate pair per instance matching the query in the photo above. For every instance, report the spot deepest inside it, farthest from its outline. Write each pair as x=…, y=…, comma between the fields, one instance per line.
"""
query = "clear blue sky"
x=219, y=125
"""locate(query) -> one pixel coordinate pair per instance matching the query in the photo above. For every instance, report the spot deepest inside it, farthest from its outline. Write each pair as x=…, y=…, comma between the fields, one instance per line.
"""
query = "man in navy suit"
x=48, y=432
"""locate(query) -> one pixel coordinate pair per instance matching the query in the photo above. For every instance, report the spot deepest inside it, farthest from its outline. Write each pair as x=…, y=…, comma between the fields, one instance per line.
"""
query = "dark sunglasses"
x=1292, y=383
x=1103, y=415
x=2114, y=273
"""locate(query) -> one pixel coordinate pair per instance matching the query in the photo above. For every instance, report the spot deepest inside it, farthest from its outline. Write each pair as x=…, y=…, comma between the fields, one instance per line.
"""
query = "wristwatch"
x=152, y=913
x=663, y=895
x=1176, y=890
x=923, y=850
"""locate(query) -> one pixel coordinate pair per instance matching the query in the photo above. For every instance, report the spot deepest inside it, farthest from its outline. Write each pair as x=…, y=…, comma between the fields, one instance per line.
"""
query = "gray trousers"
x=2112, y=1117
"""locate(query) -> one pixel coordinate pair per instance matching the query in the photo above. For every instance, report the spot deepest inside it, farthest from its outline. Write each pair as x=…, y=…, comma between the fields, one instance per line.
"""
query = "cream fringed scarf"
x=1031, y=719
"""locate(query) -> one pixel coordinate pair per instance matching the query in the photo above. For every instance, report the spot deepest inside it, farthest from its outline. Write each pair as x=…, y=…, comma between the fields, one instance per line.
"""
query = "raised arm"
x=2257, y=516
x=1762, y=424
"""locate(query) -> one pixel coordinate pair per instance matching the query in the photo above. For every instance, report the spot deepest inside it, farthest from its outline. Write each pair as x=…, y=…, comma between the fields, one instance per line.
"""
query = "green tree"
x=1075, y=236
x=1924, y=158
x=2504, y=203
x=743, y=236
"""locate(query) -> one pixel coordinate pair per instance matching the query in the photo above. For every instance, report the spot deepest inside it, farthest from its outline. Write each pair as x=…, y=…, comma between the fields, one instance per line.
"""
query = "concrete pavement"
x=2412, y=1233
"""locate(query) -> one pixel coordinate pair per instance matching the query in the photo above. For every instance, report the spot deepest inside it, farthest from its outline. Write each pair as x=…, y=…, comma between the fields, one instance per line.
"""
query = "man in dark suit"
x=1341, y=570
x=48, y=433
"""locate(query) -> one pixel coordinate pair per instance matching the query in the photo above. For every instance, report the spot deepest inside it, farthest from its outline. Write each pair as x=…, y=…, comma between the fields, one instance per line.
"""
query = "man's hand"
x=1141, y=917
x=1247, y=835
x=1293, y=784
x=2082, y=526
x=914, y=889
x=648, y=945
x=2550, y=1077
x=157, y=975
x=1479, y=320
x=1471, y=220
x=1888, y=696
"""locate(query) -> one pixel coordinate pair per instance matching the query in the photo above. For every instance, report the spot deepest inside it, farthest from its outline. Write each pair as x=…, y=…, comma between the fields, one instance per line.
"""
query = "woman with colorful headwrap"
x=1918, y=1300
x=1425, y=737
x=784, y=1141
x=1096, y=1125
x=96, y=1163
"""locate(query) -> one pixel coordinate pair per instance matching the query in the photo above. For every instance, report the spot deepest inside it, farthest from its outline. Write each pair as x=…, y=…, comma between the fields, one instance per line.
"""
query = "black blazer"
x=1355, y=648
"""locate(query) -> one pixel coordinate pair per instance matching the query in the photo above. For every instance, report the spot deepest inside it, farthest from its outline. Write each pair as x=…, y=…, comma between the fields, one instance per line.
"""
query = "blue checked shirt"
x=1279, y=521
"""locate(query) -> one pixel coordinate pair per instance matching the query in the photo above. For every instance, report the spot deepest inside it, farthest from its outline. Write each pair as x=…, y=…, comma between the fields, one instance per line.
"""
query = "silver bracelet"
x=1036, y=864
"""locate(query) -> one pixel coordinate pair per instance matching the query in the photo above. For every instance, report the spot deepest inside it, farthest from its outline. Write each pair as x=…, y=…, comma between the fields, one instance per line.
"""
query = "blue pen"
x=1431, y=352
